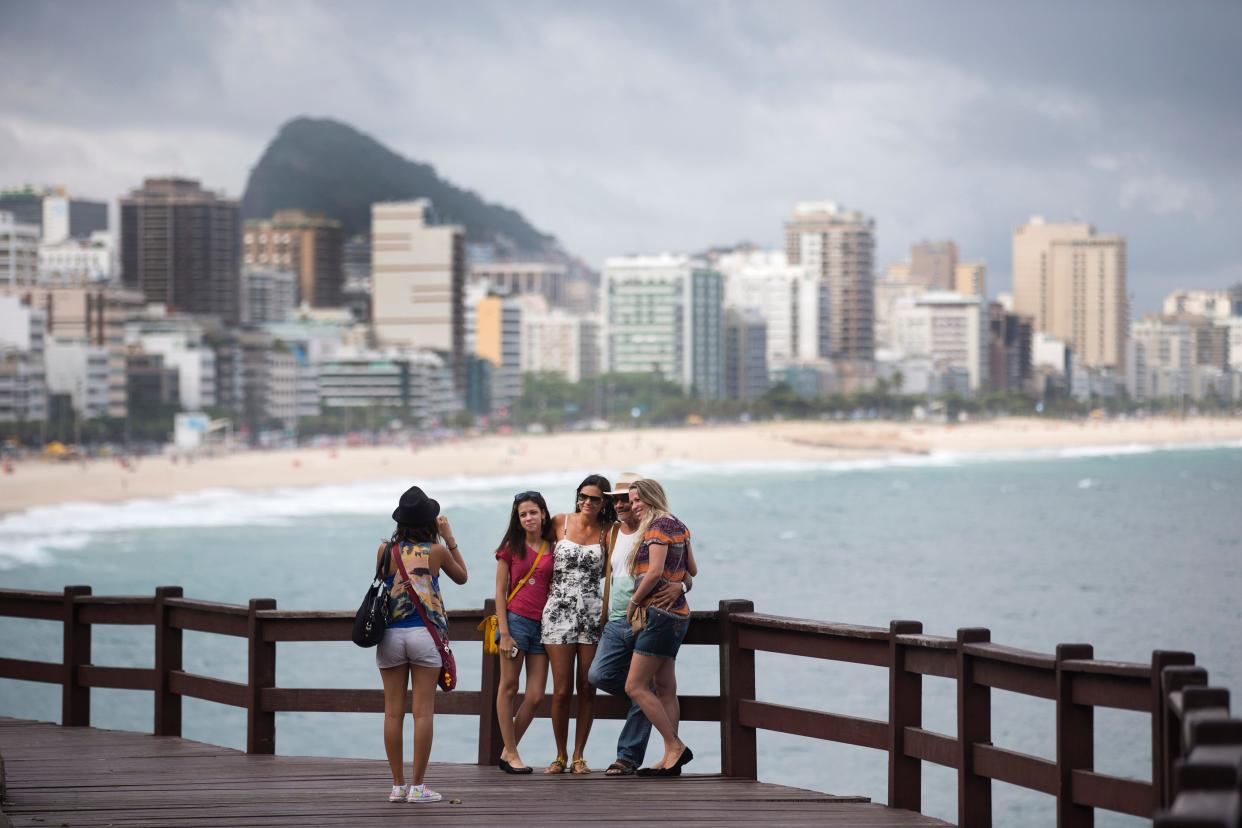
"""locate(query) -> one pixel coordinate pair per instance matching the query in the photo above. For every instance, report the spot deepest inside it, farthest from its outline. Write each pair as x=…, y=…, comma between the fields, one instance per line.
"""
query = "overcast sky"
x=643, y=127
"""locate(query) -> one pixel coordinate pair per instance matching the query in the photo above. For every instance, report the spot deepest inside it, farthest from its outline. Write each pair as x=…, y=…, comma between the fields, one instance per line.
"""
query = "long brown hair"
x=515, y=536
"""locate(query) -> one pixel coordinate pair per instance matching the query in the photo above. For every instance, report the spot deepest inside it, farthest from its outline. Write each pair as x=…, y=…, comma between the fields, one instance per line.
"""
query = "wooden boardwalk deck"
x=77, y=776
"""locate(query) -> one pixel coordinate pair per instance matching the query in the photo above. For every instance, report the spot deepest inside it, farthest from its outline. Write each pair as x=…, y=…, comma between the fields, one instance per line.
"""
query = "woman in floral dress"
x=571, y=617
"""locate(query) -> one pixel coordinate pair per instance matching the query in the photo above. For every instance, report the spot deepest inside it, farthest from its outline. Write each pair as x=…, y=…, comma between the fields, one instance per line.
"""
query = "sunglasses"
x=520, y=496
x=586, y=498
x=620, y=498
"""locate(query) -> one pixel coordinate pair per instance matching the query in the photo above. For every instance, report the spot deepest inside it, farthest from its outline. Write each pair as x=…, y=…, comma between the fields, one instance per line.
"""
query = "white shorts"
x=407, y=645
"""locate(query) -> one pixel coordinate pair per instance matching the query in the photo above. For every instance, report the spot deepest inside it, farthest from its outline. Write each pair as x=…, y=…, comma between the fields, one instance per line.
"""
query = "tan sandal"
x=557, y=766
x=580, y=767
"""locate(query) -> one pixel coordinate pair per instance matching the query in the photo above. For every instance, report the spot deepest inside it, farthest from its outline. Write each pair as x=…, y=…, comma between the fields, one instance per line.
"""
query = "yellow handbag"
x=490, y=624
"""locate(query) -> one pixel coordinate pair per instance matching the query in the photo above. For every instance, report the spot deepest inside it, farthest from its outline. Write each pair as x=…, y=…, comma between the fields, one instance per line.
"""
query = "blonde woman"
x=662, y=556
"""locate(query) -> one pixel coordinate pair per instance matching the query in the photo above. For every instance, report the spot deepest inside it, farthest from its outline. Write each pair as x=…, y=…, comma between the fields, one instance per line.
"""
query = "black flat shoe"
x=507, y=768
x=687, y=756
x=649, y=772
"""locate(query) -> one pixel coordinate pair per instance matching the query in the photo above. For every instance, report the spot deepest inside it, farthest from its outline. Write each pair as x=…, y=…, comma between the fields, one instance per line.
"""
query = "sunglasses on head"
x=520, y=496
x=596, y=499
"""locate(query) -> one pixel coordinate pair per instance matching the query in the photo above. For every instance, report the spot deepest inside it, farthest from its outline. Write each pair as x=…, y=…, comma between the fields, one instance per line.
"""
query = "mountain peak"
x=326, y=166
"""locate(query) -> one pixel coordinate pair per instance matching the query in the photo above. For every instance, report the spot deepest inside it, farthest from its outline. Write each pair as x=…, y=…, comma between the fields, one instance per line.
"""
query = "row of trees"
x=625, y=399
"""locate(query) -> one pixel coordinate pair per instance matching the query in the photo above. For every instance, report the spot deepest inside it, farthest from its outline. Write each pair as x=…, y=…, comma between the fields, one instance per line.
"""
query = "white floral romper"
x=574, y=606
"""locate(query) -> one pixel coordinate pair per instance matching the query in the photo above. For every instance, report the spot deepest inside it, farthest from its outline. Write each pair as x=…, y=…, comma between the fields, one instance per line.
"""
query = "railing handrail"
x=1072, y=677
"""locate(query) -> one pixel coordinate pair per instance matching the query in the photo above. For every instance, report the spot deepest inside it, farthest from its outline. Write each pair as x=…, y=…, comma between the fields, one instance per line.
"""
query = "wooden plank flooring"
x=60, y=776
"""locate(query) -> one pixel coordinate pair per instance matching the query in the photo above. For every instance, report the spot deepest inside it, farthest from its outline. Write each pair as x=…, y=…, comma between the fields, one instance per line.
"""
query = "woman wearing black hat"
x=407, y=654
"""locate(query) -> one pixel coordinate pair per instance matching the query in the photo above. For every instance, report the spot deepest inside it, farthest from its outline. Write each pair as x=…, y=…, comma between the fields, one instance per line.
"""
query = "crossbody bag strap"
x=543, y=547
x=418, y=602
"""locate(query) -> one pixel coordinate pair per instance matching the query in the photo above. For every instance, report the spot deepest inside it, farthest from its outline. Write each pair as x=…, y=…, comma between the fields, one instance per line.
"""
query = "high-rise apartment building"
x=1072, y=282
x=418, y=278
x=934, y=264
x=970, y=279
x=19, y=251
x=665, y=315
x=1161, y=358
x=556, y=341
x=950, y=329
x=309, y=244
x=270, y=294
x=746, y=354
x=1213, y=304
x=786, y=296
x=498, y=339
x=838, y=247
x=1009, y=349
x=181, y=246
x=23, y=375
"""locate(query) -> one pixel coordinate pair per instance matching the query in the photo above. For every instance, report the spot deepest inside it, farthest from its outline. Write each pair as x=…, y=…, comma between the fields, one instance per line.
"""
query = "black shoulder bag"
x=372, y=617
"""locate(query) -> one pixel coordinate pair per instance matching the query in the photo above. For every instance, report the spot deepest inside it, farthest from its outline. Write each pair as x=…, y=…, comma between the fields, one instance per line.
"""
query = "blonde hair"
x=655, y=500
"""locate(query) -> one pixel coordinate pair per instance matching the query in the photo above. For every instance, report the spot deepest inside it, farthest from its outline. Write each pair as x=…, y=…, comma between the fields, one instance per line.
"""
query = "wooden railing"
x=1072, y=678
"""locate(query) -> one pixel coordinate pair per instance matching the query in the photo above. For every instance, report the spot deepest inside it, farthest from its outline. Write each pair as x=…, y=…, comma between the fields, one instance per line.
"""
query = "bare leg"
x=510, y=672
x=395, y=680
x=423, y=707
x=586, y=699
x=666, y=689
x=536, y=688
x=643, y=669
x=561, y=659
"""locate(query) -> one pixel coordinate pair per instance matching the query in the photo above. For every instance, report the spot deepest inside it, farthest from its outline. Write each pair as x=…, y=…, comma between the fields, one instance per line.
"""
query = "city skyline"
x=956, y=123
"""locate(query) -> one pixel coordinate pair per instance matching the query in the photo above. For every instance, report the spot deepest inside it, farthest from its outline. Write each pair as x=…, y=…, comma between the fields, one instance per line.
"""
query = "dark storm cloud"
x=675, y=125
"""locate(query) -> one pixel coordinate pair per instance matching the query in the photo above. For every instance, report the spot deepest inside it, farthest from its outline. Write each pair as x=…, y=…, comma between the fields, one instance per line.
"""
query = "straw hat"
x=624, y=482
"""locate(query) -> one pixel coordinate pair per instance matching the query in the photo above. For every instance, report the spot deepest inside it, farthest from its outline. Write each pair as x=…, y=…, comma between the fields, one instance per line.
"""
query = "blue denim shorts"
x=526, y=634
x=663, y=634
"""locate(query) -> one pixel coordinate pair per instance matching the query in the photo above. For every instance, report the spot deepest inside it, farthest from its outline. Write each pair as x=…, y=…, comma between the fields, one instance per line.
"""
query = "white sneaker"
x=421, y=793
x=398, y=793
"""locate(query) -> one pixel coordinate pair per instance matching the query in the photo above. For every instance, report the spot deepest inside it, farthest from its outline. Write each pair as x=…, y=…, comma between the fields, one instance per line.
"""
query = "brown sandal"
x=557, y=766
x=619, y=768
x=580, y=767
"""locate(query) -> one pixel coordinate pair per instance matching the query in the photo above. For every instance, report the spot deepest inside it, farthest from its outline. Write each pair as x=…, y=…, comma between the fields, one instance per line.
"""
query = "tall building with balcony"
x=418, y=279
x=746, y=354
x=665, y=315
x=19, y=251
x=1072, y=282
x=181, y=247
x=23, y=372
x=838, y=247
x=498, y=339
x=948, y=328
x=785, y=295
x=309, y=244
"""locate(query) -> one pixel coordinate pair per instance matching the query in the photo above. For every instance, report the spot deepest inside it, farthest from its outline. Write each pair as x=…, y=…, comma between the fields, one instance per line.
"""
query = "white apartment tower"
x=665, y=314
x=785, y=295
x=418, y=278
x=1072, y=282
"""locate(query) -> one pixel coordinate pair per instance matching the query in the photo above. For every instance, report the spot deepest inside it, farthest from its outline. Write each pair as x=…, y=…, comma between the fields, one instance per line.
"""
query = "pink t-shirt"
x=530, y=599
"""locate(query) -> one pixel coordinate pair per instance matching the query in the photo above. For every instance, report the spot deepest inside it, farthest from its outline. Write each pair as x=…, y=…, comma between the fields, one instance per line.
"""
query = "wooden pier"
x=87, y=777
x=53, y=770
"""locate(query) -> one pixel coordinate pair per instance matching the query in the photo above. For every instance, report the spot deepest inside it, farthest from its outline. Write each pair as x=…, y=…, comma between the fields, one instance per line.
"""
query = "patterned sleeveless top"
x=417, y=560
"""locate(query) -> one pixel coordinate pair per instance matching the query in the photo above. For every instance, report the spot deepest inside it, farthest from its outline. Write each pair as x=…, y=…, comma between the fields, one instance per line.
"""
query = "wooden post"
x=974, y=726
x=1075, y=740
x=905, y=709
x=75, y=707
x=490, y=740
x=260, y=724
x=167, y=659
x=1172, y=679
x=738, y=747
x=1160, y=763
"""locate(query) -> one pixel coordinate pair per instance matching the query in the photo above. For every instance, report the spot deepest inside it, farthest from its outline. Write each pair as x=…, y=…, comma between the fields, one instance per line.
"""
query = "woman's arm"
x=382, y=559
x=451, y=561
x=502, y=604
x=691, y=566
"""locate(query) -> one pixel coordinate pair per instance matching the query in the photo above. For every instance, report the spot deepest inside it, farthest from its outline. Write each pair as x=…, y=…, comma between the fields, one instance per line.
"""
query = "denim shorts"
x=525, y=633
x=663, y=634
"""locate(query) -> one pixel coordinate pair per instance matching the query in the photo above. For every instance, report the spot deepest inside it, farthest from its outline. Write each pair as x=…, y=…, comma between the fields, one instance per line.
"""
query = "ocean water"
x=1128, y=548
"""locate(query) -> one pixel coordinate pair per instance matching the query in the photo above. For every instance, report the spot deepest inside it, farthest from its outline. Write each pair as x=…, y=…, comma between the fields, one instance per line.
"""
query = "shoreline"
x=36, y=483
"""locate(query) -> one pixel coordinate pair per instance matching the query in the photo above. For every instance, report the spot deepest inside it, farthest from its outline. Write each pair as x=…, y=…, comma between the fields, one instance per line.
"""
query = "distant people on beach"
x=524, y=567
x=616, y=646
x=571, y=616
x=407, y=653
x=662, y=556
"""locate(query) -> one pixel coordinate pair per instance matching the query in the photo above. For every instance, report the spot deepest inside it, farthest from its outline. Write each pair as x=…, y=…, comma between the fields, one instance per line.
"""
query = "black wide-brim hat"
x=415, y=507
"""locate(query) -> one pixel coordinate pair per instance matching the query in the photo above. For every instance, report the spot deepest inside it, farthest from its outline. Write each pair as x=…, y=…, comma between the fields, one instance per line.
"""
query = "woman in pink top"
x=524, y=564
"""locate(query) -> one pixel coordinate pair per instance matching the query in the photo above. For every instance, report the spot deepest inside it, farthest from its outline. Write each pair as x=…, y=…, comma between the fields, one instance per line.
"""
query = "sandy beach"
x=39, y=482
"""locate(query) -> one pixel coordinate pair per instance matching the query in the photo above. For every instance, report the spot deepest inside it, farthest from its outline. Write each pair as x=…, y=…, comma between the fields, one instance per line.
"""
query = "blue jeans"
x=608, y=672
